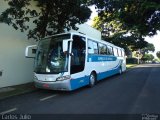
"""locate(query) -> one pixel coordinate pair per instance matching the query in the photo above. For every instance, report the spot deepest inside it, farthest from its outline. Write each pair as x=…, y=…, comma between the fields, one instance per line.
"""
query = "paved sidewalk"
x=16, y=90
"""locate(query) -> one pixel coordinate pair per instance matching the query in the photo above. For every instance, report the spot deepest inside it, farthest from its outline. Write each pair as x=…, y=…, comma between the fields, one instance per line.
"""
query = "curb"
x=16, y=90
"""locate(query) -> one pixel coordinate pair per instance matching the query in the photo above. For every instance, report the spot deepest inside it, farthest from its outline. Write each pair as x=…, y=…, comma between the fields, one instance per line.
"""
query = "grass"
x=130, y=66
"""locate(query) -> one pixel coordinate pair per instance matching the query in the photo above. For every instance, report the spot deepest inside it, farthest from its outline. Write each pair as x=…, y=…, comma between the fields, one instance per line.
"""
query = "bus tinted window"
x=123, y=54
x=92, y=47
x=115, y=52
x=119, y=52
x=102, y=49
x=110, y=50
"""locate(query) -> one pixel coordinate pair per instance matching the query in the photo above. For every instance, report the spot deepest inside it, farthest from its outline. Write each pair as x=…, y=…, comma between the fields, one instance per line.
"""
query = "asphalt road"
x=136, y=91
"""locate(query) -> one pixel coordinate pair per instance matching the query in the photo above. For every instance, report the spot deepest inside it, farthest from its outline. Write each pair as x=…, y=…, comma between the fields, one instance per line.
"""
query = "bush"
x=131, y=60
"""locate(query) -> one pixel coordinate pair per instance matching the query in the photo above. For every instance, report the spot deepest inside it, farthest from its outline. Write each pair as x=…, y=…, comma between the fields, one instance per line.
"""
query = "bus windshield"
x=50, y=58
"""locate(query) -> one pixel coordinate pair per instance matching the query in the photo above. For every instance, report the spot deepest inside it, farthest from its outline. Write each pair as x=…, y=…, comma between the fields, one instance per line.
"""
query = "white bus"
x=72, y=60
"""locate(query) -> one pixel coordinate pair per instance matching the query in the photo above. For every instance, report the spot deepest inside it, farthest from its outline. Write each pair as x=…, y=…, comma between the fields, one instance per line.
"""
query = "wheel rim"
x=120, y=71
x=92, y=80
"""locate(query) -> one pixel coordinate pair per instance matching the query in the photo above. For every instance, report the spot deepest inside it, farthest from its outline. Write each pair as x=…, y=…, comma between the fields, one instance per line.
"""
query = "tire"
x=92, y=79
x=120, y=70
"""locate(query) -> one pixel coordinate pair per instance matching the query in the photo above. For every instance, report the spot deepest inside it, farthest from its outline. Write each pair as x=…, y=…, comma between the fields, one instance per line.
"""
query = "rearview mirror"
x=30, y=51
x=66, y=44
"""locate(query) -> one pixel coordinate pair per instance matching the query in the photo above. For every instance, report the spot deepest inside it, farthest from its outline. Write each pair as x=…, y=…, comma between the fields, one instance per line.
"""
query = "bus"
x=72, y=60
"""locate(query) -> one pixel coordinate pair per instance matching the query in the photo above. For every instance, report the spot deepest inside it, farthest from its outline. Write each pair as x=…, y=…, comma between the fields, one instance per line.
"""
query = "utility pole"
x=138, y=58
x=138, y=53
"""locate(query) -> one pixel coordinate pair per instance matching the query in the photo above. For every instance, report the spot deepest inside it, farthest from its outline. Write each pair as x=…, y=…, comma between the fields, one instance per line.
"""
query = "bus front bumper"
x=57, y=85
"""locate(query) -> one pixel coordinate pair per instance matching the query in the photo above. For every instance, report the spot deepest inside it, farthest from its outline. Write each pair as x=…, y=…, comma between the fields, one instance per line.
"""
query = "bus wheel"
x=92, y=79
x=120, y=70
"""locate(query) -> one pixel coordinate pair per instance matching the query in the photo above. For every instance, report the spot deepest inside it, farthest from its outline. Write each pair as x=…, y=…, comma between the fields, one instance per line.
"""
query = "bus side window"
x=120, y=52
x=92, y=47
x=115, y=52
x=123, y=53
x=102, y=49
x=110, y=50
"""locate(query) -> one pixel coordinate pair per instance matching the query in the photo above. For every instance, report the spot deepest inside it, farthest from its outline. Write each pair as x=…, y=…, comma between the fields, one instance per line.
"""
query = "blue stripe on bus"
x=110, y=72
x=119, y=64
x=83, y=81
x=106, y=74
x=79, y=82
x=100, y=58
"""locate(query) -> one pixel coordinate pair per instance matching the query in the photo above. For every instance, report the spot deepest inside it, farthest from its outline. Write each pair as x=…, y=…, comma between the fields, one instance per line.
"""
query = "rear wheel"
x=92, y=79
x=120, y=70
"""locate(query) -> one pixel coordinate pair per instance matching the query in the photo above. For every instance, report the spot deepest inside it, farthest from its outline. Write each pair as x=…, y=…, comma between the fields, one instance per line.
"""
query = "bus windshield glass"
x=50, y=58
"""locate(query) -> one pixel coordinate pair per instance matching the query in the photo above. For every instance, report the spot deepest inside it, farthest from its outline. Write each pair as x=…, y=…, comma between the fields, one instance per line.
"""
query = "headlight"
x=64, y=78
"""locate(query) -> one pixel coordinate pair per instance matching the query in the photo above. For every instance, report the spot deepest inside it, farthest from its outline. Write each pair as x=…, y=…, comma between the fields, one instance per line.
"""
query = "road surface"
x=136, y=91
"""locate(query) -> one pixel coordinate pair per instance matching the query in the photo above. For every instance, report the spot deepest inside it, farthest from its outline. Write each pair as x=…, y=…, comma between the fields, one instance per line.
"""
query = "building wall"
x=15, y=68
x=88, y=30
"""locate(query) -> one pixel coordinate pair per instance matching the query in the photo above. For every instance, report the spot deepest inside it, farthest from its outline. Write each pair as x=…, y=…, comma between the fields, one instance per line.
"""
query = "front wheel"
x=92, y=79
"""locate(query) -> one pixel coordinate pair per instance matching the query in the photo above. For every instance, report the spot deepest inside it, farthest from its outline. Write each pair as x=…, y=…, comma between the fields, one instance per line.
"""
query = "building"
x=15, y=69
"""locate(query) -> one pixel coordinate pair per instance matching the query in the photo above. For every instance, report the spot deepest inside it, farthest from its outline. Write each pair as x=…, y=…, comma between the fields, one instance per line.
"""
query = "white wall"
x=16, y=68
x=88, y=30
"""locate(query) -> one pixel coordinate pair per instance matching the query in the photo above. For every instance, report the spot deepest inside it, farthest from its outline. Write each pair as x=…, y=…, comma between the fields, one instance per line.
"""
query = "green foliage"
x=49, y=16
x=158, y=54
x=136, y=16
x=149, y=48
x=156, y=60
x=148, y=57
x=139, y=18
x=131, y=60
x=114, y=33
x=132, y=42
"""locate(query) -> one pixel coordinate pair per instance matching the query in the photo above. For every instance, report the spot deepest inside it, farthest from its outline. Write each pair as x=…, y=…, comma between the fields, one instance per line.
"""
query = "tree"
x=49, y=16
x=113, y=32
x=149, y=48
x=129, y=43
x=158, y=54
x=136, y=16
x=148, y=57
x=139, y=18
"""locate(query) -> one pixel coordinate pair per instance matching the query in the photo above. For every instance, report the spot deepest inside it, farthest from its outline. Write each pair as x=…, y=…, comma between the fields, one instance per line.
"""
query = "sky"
x=94, y=14
x=155, y=40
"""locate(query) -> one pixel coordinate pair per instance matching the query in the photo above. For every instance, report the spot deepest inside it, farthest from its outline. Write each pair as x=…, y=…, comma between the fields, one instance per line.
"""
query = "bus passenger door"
x=78, y=62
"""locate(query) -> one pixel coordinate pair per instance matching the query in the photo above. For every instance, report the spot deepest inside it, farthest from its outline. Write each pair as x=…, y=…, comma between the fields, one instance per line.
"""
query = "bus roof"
x=101, y=41
x=84, y=35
